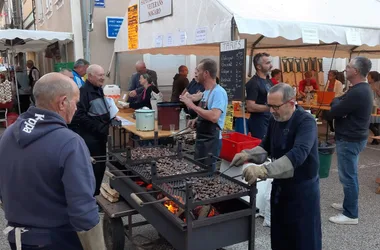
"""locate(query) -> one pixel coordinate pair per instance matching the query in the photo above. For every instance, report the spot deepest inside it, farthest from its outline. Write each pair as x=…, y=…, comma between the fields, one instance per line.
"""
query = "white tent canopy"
x=31, y=40
x=16, y=40
x=273, y=26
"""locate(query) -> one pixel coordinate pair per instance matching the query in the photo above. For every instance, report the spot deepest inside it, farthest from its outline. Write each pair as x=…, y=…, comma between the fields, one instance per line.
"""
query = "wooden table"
x=312, y=106
x=144, y=135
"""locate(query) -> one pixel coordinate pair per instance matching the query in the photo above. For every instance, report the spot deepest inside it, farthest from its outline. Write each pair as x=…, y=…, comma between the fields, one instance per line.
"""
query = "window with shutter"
x=59, y=3
x=49, y=8
x=40, y=11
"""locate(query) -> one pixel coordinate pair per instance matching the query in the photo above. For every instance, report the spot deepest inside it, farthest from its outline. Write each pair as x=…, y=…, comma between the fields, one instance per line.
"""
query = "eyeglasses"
x=276, y=107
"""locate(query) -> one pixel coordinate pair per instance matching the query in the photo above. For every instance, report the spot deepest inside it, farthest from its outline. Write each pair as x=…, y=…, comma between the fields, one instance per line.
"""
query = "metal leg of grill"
x=189, y=219
x=252, y=195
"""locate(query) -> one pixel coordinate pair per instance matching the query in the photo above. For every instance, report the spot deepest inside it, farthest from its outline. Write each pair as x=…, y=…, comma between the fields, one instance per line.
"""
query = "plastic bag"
x=267, y=213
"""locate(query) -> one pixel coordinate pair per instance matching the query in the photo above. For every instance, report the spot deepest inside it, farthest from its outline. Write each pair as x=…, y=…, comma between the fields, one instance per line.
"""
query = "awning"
x=31, y=40
x=273, y=26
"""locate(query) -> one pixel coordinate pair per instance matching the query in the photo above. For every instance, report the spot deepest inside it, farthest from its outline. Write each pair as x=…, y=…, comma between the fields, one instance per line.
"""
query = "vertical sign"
x=100, y=3
x=133, y=27
x=113, y=25
x=232, y=68
x=228, y=124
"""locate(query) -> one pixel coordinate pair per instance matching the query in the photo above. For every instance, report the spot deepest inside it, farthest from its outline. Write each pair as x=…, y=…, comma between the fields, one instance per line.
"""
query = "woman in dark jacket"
x=146, y=82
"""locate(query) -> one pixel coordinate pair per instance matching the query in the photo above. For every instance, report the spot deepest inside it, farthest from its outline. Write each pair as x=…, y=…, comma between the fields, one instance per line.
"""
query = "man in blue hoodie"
x=46, y=178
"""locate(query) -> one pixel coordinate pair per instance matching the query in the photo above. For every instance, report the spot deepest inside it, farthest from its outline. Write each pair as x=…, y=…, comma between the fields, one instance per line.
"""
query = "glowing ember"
x=140, y=183
x=212, y=212
x=171, y=206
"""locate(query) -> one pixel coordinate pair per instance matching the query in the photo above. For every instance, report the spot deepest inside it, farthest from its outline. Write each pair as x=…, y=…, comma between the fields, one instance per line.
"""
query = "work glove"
x=279, y=169
x=251, y=173
x=92, y=239
x=257, y=155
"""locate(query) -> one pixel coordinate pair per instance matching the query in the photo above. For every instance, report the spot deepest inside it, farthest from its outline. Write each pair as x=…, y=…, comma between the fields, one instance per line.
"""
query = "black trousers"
x=97, y=148
x=374, y=127
x=24, y=103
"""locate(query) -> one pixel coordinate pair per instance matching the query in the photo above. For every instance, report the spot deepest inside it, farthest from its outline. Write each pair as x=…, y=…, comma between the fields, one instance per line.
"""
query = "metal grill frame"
x=187, y=193
x=193, y=234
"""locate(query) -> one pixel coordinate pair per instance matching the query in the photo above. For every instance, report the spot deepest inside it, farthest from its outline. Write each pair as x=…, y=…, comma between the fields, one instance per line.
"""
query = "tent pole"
x=16, y=85
x=233, y=27
x=66, y=53
x=251, y=55
x=116, y=69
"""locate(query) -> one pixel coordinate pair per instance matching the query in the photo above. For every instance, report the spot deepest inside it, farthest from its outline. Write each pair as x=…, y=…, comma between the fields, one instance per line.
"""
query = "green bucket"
x=325, y=157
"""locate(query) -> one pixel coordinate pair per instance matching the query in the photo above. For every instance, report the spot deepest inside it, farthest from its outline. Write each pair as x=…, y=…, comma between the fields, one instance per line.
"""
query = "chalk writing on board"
x=232, y=69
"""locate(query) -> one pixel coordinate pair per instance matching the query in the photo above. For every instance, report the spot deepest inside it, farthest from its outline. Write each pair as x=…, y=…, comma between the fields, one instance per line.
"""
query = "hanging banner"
x=154, y=9
x=133, y=27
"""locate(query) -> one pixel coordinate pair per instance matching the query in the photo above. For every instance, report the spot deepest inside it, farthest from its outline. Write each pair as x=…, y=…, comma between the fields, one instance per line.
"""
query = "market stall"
x=297, y=29
x=15, y=41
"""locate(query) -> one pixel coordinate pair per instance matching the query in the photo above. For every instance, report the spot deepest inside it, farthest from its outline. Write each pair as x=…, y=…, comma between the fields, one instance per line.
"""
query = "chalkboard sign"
x=232, y=69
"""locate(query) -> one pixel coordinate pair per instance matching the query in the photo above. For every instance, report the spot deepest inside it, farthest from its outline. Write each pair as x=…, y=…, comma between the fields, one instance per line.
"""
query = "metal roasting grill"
x=167, y=167
x=144, y=154
x=203, y=189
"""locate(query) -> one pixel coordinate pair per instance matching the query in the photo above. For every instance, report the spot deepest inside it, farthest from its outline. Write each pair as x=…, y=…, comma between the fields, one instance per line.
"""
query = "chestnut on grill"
x=147, y=153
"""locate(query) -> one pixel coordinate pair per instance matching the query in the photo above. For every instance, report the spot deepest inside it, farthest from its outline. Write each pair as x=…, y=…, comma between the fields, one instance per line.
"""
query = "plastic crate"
x=233, y=143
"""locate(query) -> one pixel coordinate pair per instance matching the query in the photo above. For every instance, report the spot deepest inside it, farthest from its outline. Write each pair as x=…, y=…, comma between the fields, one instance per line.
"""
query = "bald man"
x=135, y=89
x=46, y=177
x=93, y=118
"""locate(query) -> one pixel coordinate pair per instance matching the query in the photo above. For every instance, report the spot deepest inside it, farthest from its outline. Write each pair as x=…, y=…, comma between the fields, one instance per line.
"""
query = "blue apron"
x=258, y=125
x=258, y=122
x=295, y=207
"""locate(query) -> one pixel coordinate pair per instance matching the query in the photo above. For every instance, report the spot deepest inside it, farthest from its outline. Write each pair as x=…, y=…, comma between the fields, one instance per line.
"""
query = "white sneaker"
x=337, y=206
x=343, y=220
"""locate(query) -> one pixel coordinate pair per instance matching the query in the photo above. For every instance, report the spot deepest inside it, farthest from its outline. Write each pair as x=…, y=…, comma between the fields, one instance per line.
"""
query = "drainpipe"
x=87, y=25
x=76, y=19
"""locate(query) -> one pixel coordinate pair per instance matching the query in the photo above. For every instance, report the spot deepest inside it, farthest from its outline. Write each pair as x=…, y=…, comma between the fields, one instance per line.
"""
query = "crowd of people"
x=47, y=152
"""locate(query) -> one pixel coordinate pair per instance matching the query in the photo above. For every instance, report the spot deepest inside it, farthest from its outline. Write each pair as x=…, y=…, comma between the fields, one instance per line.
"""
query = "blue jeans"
x=348, y=158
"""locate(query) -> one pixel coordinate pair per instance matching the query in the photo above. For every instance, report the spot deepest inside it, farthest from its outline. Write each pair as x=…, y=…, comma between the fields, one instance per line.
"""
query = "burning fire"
x=171, y=206
x=199, y=211
x=212, y=212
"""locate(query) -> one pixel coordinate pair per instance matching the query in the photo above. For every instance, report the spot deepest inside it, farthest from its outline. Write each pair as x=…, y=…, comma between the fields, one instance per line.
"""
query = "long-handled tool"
x=184, y=131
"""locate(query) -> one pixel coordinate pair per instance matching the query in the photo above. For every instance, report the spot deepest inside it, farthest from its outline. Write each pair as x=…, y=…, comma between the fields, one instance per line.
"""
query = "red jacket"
x=302, y=85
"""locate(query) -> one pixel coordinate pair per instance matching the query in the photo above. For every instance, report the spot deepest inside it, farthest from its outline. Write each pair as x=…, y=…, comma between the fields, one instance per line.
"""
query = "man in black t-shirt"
x=257, y=90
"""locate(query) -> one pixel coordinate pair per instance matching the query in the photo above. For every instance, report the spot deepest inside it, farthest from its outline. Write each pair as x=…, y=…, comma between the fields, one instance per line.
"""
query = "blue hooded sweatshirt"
x=46, y=178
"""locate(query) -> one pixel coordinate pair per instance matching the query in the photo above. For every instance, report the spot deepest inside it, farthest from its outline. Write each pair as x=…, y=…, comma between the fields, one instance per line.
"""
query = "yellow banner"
x=228, y=124
x=133, y=27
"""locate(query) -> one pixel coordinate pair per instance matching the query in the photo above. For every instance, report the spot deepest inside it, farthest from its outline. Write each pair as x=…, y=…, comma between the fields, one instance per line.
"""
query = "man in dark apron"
x=257, y=90
x=291, y=142
x=211, y=113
